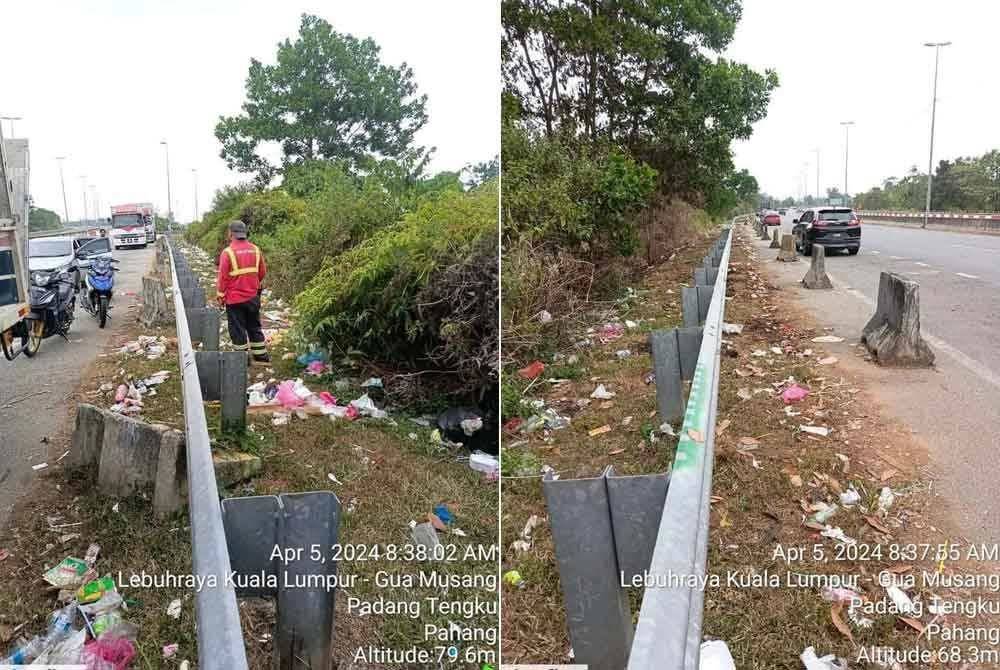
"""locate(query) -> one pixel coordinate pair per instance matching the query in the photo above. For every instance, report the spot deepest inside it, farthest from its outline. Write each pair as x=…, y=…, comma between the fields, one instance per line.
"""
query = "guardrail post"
x=254, y=526
x=597, y=609
x=688, y=346
x=665, y=350
x=204, y=325
x=704, y=300
x=223, y=377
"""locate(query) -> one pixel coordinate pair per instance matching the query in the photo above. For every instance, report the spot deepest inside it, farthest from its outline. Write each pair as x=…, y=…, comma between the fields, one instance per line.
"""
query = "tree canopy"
x=637, y=73
x=327, y=96
x=40, y=218
x=969, y=184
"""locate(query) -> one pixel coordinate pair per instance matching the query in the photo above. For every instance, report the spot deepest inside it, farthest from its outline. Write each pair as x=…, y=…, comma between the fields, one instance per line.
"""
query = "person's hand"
x=221, y=300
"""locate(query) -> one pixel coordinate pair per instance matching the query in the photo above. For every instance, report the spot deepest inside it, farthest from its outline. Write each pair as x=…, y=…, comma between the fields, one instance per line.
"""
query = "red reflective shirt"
x=241, y=270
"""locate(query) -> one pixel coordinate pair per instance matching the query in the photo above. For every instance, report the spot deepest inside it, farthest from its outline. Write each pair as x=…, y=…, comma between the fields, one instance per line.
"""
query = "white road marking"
x=962, y=274
x=967, y=362
x=875, y=252
x=897, y=258
x=969, y=246
x=923, y=265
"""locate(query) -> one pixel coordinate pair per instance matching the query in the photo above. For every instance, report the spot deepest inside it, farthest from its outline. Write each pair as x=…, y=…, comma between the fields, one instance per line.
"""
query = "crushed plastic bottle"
x=26, y=651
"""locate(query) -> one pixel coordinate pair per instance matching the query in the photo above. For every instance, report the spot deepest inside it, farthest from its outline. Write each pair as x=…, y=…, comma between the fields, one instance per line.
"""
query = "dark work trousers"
x=244, y=328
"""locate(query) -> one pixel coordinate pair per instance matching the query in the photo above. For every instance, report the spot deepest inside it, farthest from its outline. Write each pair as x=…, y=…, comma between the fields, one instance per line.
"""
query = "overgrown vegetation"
x=376, y=255
x=614, y=116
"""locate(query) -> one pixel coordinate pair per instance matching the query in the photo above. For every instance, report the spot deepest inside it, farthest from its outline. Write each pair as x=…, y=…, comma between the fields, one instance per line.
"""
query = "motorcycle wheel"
x=102, y=311
x=36, y=330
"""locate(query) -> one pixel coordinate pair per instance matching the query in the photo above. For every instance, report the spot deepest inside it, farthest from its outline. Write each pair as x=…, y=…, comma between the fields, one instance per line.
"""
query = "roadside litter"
x=732, y=328
x=601, y=393
x=524, y=542
x=715, y=655
x=151, y=346
x=794, y=394
x=828, y=662
x=96, y=603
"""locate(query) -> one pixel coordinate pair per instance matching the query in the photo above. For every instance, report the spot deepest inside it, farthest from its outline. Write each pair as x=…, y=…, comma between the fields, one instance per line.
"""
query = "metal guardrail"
x=650, y=530
x=668, y=634
x=220, y=638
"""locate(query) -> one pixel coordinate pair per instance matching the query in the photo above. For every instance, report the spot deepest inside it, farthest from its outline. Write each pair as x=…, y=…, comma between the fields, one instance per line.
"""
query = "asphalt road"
x=955, y=407
x=26, y=419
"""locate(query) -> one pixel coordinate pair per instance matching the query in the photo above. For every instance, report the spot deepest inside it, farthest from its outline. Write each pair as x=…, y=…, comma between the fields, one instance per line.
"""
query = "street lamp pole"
x=847, y=139
x=170, y=205
x=194, y=171
x=62, y=180
x=930, y=154
x=816, y=150
x=83, y=183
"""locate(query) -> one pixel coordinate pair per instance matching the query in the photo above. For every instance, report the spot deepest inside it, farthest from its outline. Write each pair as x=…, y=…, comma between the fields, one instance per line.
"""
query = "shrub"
x=368, y=297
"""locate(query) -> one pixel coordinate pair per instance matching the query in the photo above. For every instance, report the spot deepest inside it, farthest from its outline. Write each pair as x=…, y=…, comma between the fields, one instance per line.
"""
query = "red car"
x=772, y=218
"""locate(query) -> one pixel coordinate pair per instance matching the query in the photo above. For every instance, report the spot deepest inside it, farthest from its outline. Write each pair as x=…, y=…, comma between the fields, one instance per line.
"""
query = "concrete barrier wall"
x=132, y=456
x=987, y=222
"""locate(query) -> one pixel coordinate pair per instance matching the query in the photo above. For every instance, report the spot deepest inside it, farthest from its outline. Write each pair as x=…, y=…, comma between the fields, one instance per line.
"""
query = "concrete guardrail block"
x=816, y=277
x=787, y=252
x=892, y=335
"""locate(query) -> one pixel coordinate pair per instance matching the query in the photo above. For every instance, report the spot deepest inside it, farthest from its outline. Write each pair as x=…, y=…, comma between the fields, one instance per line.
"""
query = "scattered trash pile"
x=150, y=346
x=282, y=399
x=426, y=534
x=89, y=628
x=129, y=396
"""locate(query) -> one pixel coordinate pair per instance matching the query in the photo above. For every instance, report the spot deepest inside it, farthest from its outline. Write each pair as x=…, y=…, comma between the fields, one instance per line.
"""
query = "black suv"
x=832, y=227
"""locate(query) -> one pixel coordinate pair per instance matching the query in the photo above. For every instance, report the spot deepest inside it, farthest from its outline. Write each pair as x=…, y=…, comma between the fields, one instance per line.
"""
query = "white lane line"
x=962, y=274
x=923, y=265
x=967, y=362
x=897, y=258
x=969, y=246
x=875, y=252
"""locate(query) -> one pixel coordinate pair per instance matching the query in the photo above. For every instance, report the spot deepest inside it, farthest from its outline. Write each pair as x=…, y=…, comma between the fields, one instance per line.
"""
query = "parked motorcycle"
x=53, y=303
x=99, y=288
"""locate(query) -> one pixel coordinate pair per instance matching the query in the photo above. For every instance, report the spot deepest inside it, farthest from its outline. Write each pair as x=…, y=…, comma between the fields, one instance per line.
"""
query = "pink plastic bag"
x=316, y=368
x=327, y=398
x=108, y=653
x=794, y=393
x=287, y=397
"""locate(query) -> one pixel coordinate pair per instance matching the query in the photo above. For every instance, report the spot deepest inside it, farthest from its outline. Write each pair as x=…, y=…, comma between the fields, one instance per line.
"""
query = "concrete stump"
x=763, y=232
x=817, y=277
x=787, y=252
x=775, y=243
x=892, y=335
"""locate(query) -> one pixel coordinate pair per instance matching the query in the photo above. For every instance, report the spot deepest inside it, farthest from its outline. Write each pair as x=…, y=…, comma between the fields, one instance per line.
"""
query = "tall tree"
x=328, y=96
x=640, y=73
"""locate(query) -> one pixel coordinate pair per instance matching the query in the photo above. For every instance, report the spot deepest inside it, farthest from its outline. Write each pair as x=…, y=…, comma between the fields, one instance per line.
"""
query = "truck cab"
x=132, y=225
x=14, y=285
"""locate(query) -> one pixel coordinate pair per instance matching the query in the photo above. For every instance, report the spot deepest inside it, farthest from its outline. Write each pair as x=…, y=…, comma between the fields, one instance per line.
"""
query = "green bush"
x=572, y=194
x=368, y=297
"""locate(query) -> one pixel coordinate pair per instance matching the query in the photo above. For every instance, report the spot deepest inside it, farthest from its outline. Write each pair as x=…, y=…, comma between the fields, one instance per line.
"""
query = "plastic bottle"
x=61, y=625
x=26, y=652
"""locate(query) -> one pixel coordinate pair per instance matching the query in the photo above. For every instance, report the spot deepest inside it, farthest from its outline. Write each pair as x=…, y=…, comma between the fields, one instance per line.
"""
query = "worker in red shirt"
x=241, y=270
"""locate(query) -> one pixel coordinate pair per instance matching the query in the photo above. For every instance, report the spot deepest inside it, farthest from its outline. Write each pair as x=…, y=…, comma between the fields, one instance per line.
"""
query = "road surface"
x=955, y=407
x=54, y=373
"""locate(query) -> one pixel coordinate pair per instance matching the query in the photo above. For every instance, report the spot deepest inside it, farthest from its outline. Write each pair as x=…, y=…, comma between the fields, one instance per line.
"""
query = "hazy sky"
x=864, y=61
x=103, y=81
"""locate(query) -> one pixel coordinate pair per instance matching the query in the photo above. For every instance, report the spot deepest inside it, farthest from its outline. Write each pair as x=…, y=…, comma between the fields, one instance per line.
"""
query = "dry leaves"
x=599, y=431
x=839, y=622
